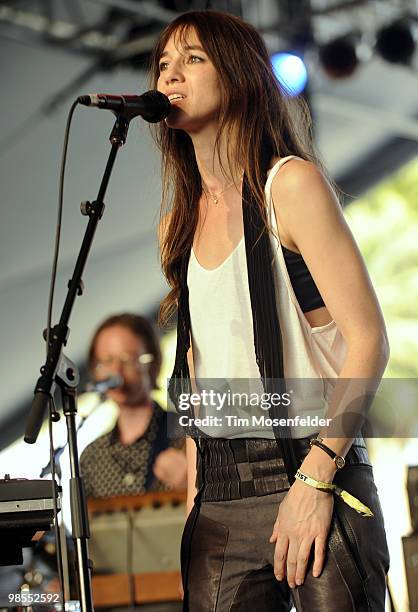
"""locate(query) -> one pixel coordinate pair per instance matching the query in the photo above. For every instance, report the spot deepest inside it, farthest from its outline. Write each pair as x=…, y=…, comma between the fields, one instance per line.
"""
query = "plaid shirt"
x=111, y=468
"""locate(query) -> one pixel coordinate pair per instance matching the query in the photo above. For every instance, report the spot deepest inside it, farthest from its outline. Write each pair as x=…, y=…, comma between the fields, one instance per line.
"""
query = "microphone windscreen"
x=156, y=106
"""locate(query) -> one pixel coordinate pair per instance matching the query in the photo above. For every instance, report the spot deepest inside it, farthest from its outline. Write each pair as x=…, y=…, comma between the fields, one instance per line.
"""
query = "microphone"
x=153, y=106
x=101, y=386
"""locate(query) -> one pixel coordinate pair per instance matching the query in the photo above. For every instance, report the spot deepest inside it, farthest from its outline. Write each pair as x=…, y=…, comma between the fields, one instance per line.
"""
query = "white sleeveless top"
x=223, y=338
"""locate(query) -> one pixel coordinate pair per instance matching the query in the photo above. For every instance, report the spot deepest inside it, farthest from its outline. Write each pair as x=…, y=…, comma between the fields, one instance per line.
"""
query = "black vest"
x=266, y=325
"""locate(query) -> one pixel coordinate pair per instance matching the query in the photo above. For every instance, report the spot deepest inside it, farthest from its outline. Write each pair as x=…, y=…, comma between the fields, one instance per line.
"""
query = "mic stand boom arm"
x=59, y=333
x=49, y=374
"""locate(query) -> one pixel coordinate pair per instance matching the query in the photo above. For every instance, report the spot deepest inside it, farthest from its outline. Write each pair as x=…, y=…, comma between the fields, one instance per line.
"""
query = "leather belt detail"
x=238, y=468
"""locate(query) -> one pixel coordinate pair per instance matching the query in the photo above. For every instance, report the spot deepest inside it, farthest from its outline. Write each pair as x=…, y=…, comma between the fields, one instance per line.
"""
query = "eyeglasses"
x=127, y=362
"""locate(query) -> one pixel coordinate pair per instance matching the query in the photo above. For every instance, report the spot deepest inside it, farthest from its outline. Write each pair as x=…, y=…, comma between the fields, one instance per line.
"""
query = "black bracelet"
x=337, y=459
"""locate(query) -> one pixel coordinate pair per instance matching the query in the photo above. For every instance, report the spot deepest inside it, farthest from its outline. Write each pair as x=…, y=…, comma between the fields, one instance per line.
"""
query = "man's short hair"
x=139, y=326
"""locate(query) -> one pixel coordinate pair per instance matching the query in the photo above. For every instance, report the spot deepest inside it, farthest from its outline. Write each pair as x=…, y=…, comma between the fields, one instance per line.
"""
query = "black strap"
x=268, y=341
x=325, y=448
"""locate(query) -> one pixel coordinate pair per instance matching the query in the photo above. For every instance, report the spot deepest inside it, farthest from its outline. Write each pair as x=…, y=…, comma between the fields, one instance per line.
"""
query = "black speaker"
x=410, y=552
x=412, y=488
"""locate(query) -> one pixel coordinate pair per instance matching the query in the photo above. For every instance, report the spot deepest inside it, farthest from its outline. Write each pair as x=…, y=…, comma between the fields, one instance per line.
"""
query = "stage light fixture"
x=290, y=71
x=339, y=57
x=396, y=43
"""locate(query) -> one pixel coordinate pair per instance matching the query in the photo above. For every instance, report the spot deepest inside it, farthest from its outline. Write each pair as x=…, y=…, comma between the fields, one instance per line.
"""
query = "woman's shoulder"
x=302, y=195
x=294, y=178
x=292, y=167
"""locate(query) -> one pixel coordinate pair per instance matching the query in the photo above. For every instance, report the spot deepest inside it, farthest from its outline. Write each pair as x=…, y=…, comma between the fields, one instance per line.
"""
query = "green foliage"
x=385, y=225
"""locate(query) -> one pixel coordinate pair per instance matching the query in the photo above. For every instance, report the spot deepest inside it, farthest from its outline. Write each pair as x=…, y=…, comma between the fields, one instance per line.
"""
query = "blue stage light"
x=290, y=71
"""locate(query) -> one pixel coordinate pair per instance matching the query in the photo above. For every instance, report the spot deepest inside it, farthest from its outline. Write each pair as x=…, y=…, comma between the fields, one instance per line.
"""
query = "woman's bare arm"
x=311, y=218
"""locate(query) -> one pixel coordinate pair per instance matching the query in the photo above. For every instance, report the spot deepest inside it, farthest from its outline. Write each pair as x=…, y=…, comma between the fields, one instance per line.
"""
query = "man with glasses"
x=135, y=457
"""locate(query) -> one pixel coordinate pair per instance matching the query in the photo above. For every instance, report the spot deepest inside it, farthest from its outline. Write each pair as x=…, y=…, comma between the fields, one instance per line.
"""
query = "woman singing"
x=269, y=288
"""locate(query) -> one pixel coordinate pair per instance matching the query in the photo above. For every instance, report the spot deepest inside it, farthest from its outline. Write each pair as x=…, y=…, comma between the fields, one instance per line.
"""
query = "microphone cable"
x=51, y=404
x=59, y=223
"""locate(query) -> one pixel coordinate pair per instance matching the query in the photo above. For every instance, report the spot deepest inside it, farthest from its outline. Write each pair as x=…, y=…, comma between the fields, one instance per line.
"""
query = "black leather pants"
x=227, y=560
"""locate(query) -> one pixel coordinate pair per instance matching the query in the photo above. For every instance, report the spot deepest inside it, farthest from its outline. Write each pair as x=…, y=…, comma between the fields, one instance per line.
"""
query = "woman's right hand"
x=303, y=521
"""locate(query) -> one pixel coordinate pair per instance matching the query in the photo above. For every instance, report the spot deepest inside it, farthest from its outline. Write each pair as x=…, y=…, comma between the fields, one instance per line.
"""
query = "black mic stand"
x=68, y=380
x=47, y=469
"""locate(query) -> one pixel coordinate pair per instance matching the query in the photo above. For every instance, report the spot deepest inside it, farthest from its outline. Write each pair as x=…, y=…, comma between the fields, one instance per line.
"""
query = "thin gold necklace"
x=215, y=196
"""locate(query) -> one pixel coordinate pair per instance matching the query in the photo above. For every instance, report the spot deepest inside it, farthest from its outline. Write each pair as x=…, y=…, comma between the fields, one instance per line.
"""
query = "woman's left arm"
x=310, y=215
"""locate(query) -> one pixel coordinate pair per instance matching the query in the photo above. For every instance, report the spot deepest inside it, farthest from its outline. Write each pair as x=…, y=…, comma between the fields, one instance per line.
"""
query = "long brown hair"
x=254, y=107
